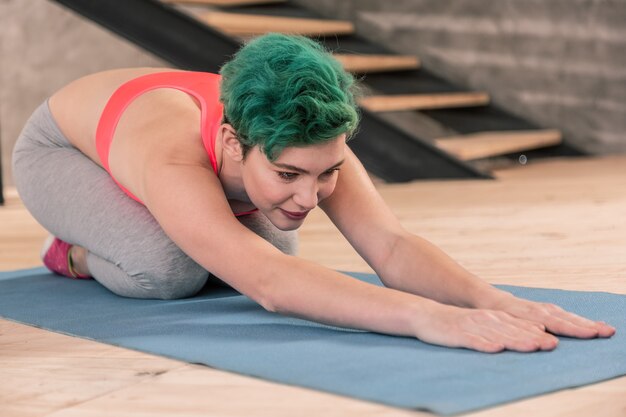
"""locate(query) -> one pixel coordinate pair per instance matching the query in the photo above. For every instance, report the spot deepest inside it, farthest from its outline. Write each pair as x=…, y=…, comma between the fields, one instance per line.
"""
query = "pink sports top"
x=201, y=85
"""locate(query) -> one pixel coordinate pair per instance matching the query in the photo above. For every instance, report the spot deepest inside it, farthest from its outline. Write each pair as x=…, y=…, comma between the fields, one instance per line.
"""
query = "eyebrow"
x=301, y=170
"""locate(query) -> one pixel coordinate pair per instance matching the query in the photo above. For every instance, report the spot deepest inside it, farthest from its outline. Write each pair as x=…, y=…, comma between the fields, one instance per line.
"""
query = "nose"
x=306, y=196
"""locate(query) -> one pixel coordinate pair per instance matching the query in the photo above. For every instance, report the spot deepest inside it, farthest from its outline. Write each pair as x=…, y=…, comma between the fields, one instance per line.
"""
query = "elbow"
x=270, y=294
x=276, y=286
x=385, y=258
x=267, y=303
x=269, y=280
x=267, y=290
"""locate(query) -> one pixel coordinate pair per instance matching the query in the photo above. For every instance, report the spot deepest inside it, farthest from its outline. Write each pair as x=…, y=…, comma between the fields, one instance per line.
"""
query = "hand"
x=483, y=330
x=552, y=317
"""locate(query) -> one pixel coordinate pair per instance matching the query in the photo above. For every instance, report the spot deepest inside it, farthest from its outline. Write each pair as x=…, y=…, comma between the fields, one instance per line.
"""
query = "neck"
x=229, y=174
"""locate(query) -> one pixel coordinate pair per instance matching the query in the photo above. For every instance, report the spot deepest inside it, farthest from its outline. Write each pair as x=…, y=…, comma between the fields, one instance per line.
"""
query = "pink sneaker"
x=55, y=255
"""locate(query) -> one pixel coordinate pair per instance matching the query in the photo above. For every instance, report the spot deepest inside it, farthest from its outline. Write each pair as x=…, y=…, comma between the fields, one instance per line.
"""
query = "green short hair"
x=281, y=91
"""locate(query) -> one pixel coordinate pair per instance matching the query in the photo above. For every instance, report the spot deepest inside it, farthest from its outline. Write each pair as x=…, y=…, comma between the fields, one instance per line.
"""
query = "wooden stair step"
x=224, y=3
x=381, y=103
x=366, y=63
x=241, y=24
x=486, y=144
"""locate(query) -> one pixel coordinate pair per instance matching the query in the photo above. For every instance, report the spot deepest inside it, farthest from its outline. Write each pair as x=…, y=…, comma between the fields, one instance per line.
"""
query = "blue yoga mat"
x=226, y=330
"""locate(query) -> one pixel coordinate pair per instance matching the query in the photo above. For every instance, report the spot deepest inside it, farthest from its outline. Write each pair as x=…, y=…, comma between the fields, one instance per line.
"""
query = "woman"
x=149, y=178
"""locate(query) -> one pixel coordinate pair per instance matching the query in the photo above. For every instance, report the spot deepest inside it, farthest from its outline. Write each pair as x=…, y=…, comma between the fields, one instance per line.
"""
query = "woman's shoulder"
x=78, y=107
x=106, y=80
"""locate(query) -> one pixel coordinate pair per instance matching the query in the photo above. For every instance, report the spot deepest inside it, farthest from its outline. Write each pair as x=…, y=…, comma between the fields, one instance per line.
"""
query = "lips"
x=295, y=215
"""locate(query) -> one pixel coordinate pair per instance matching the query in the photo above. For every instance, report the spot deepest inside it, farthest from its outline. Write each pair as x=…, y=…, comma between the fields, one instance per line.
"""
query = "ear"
x=230, y=143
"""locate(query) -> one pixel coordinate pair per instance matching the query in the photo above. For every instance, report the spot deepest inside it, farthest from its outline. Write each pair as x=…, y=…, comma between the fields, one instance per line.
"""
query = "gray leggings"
x=77, y=201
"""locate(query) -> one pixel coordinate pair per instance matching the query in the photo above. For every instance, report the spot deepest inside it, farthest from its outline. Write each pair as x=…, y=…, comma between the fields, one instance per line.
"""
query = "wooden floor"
x=559, y=224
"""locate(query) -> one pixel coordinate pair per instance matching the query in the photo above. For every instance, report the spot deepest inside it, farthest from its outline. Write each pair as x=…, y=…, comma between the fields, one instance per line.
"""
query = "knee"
x=172, y=284
x=172, y=277
x=285, y=241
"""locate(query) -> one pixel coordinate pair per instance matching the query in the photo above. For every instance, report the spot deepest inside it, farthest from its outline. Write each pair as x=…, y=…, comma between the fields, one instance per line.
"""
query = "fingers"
x=520, y=335
x=601, y=329
x=501, y=329
x=568, y=324
x=604, y=329
x=482, y=344
x=527, y=330
x=558, y=321
x=530, y=332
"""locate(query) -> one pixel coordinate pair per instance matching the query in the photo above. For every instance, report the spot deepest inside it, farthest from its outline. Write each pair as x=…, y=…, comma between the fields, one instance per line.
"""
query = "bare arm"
x=188, y=203
x=402, y=260
x=412, y=264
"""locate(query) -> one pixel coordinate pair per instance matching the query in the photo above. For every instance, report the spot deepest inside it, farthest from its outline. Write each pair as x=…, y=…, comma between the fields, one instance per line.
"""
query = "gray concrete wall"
x=43, y=46
x=559, y=63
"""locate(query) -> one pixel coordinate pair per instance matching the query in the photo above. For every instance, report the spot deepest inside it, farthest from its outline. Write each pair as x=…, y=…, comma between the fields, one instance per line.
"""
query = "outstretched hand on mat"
x=555, y=319
x=513, y=324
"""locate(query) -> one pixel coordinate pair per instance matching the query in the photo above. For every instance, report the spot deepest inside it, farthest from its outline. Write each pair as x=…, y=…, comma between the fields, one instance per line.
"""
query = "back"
x=77, y=106
x=164, y=117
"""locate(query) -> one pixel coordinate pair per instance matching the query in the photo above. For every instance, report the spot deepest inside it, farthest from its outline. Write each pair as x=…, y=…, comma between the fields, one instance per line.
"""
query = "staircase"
x=414, y=124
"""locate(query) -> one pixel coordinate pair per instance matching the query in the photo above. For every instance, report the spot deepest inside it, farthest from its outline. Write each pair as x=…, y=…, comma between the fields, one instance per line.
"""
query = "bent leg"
x=77, y=201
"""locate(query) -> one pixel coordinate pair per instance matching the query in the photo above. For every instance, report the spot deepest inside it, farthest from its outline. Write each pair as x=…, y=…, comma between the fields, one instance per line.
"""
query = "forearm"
x=419, y=267
x=303, y=289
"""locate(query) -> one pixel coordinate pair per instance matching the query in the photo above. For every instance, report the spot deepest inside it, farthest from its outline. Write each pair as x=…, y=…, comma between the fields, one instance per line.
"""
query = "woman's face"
x=288, y=188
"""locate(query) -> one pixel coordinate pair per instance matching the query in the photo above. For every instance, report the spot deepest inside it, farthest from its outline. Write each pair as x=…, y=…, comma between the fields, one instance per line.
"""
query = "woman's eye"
x=287, y=175
x=330, y=172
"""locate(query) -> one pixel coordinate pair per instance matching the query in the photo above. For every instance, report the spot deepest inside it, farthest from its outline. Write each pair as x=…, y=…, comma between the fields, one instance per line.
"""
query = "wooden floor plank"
x=42, y=372
x=403, y=102
x=239, y=24
x=222, y=394
x=486, y=144
x=556, y=224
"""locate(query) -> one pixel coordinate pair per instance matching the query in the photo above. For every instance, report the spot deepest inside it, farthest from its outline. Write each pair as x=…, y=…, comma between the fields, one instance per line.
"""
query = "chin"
x=285, y=225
